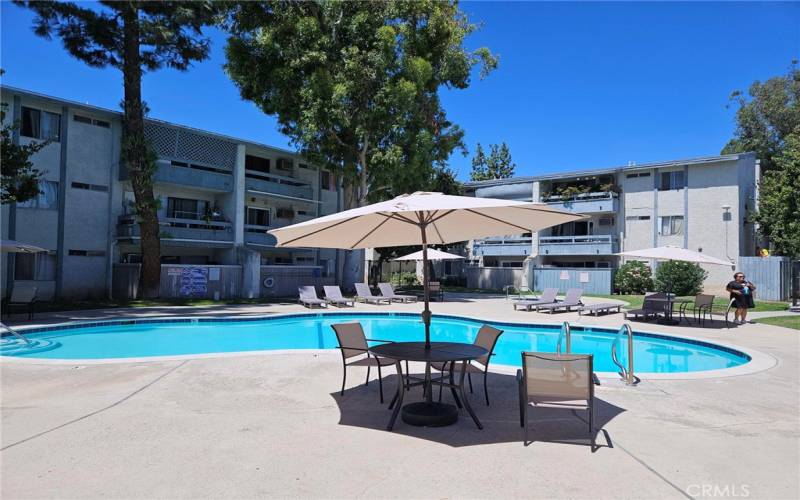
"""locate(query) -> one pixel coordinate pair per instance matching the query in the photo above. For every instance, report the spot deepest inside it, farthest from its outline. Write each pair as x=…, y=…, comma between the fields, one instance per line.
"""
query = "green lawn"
x=784, y=321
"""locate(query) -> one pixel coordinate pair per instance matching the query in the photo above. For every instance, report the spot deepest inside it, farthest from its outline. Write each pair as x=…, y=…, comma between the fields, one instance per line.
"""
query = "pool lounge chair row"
x=333, y=295
x=548, y=302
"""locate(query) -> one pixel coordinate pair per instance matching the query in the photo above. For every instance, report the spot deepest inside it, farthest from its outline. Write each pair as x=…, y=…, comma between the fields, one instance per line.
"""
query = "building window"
x=40, y=124
x=672, y=180
x=638, y=174
x=87, y=253
x=91, y=121
x=284, y=164
x=511, y=264
x=285, y=213
x=328, y=181
x=89, y=187
x=606, y=221
x=257, y=216
x=35, y=266
x=256, y=163
x=637, y=217
x=182, y=208
x=670, y=225
x=47, y=198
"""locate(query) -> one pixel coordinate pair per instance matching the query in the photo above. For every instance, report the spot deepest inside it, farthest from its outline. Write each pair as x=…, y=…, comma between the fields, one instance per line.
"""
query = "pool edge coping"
x=758, y=362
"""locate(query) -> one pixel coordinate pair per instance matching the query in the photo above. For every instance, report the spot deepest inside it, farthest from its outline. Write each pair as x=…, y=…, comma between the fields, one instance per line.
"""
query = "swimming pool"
x=172, y=337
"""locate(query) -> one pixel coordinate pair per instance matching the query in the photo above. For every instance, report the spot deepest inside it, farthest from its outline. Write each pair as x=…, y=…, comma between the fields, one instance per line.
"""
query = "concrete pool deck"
x=274, y=425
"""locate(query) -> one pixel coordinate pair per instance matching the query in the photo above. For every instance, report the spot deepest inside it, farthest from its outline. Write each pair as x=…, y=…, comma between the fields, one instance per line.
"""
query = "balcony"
x=208, y=179
x=499, y=247
x=587, y=203
x=577, y=245
x=257, y=235
x=181, y=232
x=277, y=185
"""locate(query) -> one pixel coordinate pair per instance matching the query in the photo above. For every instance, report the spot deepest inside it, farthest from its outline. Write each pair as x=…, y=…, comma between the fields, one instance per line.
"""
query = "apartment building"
x=699, y=203
x=218, y=197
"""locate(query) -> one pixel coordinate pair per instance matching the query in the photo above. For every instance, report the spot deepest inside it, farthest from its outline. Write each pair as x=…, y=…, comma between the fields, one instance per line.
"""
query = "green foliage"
x=498, y=165
x=19, y=181
x=768, y=122
x=355, y=84
x=779, y=210
x=767, y=117
x=680, y=278
x=633, y=277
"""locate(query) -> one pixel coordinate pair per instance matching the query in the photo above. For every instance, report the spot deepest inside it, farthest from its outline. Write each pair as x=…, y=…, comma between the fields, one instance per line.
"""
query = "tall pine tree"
x=134, y=37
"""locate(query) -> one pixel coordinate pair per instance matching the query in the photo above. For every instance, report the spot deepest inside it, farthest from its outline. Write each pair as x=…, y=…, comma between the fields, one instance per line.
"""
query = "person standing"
x=742, y=294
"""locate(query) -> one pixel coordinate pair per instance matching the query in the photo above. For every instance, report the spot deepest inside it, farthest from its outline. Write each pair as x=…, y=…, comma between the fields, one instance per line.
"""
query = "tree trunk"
x=137, y=158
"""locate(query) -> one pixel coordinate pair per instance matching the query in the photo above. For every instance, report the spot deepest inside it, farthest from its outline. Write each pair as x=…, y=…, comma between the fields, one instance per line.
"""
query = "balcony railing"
x=577, y=245
x=277, y=184
x=497, y=247
x=606, y=201
x=210, y=179
x=172, y=228
x=257, y=235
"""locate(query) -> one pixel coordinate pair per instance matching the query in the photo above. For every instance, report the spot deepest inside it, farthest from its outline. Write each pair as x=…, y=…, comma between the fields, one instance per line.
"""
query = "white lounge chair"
x=571, y=299
x=308, y=297
x=548, y=297
x=388, y=292
x=364, y=294
x=333, y=295
x=23, y=296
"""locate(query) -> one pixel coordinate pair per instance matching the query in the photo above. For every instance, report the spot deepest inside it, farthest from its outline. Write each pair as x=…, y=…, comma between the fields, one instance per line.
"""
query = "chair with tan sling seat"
x=550, y=380
x=352, y=344
x=487, y=338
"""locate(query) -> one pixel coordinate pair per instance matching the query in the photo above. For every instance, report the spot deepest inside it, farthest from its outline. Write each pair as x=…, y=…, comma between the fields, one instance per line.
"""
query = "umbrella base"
x=429, y=414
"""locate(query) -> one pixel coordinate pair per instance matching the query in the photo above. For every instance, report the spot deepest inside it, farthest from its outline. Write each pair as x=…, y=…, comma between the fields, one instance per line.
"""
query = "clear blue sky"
x=580, y=85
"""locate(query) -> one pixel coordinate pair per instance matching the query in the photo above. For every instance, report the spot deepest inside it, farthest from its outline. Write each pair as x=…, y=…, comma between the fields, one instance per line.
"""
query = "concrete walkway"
x=274, y=425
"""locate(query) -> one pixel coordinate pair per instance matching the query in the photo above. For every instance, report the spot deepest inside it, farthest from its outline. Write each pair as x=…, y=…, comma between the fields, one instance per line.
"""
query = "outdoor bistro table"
x=671, y=301
x=429, y=413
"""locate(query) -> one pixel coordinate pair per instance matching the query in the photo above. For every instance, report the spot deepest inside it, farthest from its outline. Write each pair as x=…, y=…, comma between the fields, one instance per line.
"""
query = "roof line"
x=608, y=170
x=98, y=109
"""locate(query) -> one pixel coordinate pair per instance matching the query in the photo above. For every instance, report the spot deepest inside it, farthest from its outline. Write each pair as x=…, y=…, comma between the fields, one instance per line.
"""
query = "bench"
x=595, y=309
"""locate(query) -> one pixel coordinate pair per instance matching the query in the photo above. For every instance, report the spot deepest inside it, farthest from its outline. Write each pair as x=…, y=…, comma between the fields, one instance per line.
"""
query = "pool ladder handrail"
x=16, y=334
x=626, y=373
x=565, y=334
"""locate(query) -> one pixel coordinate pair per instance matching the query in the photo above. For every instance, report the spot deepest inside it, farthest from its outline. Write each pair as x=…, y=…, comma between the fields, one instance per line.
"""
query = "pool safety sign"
x=194, y=281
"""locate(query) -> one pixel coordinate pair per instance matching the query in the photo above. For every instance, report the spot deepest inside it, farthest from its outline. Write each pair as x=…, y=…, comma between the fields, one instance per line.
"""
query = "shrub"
x=680, y=278
x=633, y=277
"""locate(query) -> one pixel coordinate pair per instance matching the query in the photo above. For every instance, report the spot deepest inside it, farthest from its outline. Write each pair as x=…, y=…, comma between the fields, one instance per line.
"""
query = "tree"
x=134, y=37
x=19, y=180
x=498, y=165
x=680, y=278
x=633, y=277
x=771, y=113
x=778, y=204
x=355, y=85
x=768, y=122
x=479, y=170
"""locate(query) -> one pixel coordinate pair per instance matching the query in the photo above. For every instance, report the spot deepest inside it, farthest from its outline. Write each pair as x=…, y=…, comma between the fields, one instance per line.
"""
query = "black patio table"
x=429, y=413
x=668, y=318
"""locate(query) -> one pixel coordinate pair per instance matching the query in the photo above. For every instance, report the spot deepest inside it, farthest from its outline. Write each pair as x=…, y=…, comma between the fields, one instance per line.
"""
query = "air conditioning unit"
x=285, y=213
x=284, y=164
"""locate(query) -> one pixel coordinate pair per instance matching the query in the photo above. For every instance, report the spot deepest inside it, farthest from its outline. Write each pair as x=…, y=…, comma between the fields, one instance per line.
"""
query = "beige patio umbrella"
x=433, y=254
x=11, y=246
x=670, y=252
x=421, y=218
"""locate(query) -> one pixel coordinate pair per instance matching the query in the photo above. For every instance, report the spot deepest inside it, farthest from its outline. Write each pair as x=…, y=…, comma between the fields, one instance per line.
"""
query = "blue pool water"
x=652, y=353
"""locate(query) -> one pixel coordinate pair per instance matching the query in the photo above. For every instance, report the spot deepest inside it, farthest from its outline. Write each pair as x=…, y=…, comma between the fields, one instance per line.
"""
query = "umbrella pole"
x=426, y=313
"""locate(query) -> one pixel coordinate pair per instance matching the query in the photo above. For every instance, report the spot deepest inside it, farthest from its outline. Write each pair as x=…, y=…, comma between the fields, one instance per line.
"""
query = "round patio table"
x=670, y=301
x=429, y=413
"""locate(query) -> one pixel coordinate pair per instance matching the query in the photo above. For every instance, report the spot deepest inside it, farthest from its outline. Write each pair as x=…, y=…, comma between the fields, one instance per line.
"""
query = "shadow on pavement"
x=360, y=407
